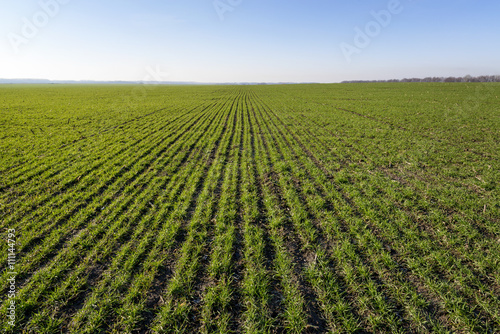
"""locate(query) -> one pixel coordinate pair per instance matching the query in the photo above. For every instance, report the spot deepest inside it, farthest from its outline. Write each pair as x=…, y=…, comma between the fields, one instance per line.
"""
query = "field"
x=250, y=209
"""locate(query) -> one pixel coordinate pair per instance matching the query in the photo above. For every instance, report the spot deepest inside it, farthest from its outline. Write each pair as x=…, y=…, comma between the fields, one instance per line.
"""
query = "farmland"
x=251, y=209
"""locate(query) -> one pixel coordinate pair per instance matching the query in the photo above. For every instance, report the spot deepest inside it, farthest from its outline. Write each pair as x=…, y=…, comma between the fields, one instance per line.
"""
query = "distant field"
x=251, y=209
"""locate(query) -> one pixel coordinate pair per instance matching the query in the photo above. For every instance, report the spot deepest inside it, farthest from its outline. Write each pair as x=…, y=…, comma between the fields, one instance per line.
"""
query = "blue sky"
x=256, y=41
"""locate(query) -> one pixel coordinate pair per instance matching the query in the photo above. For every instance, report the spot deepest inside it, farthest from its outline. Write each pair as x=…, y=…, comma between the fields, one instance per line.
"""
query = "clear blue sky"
x=258, y=40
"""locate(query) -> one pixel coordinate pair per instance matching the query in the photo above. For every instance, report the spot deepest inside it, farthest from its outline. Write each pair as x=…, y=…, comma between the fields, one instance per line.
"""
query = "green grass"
x=252, y=209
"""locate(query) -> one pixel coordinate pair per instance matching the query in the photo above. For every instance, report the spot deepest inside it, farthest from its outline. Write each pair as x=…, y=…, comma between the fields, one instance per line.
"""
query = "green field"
x=251, y=209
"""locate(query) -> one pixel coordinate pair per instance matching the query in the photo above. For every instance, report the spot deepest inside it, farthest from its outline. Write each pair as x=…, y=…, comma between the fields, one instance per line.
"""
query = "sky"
x=248, y=40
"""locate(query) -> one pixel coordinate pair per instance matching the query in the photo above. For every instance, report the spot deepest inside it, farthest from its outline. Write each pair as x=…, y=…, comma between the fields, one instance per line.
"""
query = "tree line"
x=467, y=78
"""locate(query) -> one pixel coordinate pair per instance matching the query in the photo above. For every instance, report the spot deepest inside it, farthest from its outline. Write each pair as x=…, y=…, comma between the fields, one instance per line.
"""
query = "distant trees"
x=467, y=78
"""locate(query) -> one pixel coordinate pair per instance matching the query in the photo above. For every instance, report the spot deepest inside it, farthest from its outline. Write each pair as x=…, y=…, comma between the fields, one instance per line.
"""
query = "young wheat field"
x=369, y=208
